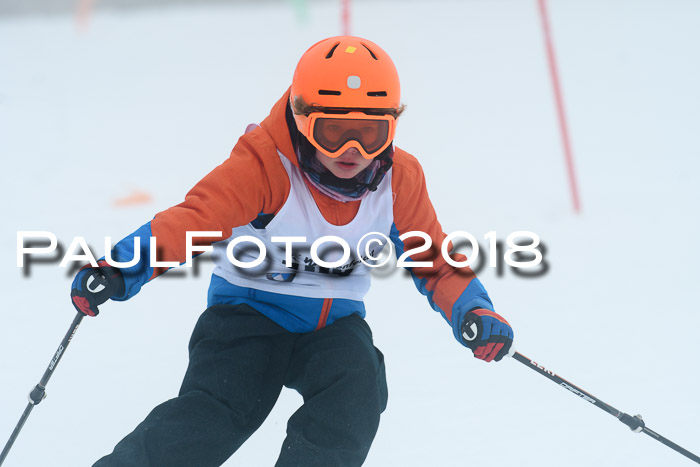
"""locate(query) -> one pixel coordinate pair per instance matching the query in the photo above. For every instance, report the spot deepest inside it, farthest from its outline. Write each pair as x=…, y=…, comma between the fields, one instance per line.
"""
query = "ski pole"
x=39, y=392
x=635, y=423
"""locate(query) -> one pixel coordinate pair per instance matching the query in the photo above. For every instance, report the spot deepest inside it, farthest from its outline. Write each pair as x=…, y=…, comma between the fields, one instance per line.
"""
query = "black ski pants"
x=239, y=361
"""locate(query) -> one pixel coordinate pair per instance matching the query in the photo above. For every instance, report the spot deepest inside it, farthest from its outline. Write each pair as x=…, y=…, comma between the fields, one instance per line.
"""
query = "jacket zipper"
x=325, y=311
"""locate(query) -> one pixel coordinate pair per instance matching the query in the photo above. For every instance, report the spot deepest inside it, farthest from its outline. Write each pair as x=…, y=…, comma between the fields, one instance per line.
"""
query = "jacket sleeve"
x=451, y=291
x=251, y=181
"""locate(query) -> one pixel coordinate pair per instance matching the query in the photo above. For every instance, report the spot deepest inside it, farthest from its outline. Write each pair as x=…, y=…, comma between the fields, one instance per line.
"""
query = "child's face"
x=347, y=165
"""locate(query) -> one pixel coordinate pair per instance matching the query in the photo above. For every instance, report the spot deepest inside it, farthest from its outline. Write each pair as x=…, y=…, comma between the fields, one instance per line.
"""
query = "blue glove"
x=487, y=333
x=94, y=286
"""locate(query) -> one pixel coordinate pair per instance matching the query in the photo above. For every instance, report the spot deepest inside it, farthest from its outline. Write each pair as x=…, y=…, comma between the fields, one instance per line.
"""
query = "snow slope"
x=152, y=100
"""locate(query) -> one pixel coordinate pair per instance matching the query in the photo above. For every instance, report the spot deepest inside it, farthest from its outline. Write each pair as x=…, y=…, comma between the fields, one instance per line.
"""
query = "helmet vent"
x=326, y=92
x=330, y=52
x=370, y=51
x=376, y=93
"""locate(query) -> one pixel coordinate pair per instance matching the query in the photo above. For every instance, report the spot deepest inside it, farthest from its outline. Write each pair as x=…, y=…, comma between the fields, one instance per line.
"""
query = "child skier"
x=322, y=165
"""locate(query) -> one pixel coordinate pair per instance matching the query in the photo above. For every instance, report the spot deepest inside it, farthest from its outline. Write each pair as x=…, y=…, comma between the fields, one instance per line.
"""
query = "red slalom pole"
x=346, y=17
x=568, y=153
x=83, y=14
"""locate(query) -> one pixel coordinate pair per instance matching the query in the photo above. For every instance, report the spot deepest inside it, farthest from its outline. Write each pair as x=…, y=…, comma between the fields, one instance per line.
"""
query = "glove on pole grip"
x=93, y=286
x=487, y=334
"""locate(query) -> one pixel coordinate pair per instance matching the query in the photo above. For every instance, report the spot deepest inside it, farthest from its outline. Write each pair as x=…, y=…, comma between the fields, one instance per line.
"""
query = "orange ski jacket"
x=253, y=181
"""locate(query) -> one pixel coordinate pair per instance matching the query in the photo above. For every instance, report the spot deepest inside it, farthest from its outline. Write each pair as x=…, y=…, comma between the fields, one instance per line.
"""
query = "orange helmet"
x=346, y=79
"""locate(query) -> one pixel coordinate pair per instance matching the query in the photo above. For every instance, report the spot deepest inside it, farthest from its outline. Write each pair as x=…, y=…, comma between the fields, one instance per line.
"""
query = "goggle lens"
x=333, y=133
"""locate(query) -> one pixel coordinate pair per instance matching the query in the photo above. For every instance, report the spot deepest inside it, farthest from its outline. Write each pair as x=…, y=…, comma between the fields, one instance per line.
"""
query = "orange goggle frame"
x=333, y=134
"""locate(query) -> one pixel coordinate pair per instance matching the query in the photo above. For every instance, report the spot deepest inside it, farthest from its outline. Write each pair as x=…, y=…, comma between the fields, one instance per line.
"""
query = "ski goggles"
x=333, y=134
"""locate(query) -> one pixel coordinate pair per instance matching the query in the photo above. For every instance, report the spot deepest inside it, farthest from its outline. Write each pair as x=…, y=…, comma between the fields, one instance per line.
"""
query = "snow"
x=151, y=100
